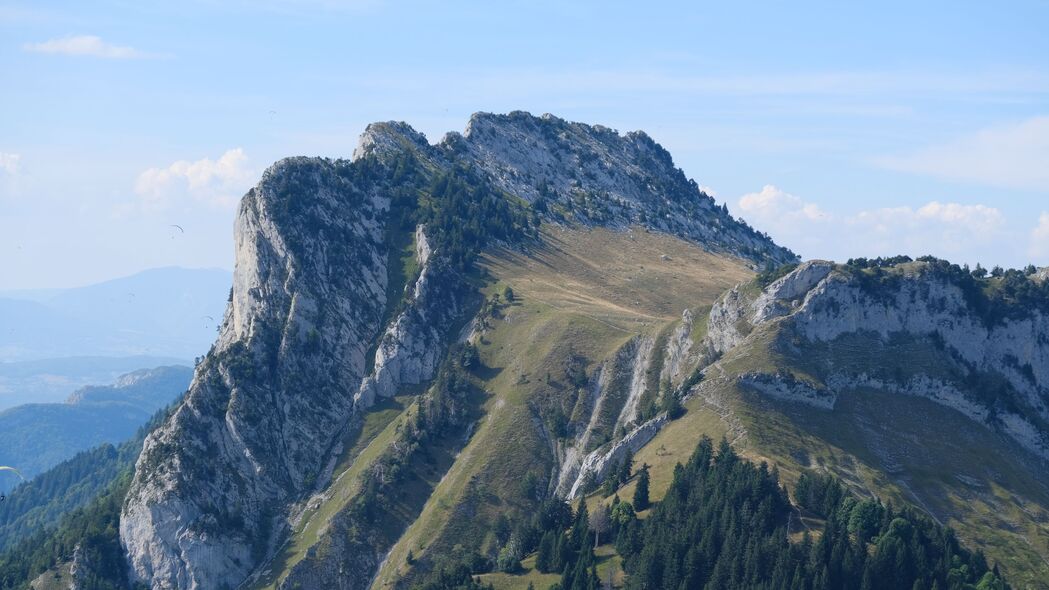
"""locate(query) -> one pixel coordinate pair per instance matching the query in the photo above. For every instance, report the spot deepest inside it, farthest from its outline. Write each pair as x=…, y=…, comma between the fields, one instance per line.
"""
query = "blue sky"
x=842, y=130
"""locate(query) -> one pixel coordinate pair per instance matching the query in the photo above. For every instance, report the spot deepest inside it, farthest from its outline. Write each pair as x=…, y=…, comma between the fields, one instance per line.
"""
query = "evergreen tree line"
x=441, y=409
x=463, y=213
x=724, y=524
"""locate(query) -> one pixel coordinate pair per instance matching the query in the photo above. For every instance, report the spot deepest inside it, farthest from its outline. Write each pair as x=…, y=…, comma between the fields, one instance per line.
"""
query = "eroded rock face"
x=415, y=342
x=821, y=303
x=599, y=462
x=678, y=354
x=612, y=400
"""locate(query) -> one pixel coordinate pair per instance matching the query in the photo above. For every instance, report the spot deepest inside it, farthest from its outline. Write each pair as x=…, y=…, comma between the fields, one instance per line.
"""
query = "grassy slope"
x=581, y=292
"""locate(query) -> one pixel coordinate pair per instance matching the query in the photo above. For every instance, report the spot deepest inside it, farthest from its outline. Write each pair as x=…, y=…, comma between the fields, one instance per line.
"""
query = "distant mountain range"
x=52, y=380
x=164, y=312
x=35, y=437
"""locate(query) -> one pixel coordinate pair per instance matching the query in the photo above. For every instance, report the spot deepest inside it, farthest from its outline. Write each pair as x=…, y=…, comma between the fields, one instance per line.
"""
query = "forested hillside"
x=726, y=523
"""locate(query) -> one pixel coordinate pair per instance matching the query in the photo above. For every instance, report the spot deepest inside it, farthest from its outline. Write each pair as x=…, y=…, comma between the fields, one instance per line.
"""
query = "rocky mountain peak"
x=596, y=175
x=315, y=331
x=388, y=138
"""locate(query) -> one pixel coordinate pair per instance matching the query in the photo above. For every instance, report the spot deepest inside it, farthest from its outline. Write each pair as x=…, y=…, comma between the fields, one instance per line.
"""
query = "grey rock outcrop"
x=819, y=303
x=678, y=354
x=598, y=463
x=785, y=386
x=414, y=344
x=604, y=178
x=611, y=401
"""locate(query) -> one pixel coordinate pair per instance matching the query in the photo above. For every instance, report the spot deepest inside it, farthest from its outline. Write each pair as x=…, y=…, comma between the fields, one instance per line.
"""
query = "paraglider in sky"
x=13, y=470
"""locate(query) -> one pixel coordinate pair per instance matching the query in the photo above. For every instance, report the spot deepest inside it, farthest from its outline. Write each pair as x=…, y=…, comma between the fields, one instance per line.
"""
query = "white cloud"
x=1010, y=156
x=953, y=230
x=780, y=213
x=9, y=163
x=949, y=230
x=218, y=182
x=84, y=45
x=1039, y=247
x=979, y=221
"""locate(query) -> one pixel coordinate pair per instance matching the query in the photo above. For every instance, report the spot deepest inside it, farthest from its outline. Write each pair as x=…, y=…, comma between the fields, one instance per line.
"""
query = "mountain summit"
x=352, y=279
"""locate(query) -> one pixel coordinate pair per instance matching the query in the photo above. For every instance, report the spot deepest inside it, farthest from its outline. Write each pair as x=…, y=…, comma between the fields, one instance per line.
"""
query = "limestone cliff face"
x=820, y=310
x=611, y=404
x=308, y=297
x=289, y=374
x=679, y=356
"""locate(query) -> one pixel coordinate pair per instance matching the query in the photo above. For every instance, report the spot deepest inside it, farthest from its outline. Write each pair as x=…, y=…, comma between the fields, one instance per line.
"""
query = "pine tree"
x=641, y=491
x=546, y=557
x=626, y=467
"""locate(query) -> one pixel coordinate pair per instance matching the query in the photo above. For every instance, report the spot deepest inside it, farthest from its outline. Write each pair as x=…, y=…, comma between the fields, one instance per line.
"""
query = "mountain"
x=52, y=380
x=34, y=437
x=170, y=312
x=451, y=365
x=352, y=278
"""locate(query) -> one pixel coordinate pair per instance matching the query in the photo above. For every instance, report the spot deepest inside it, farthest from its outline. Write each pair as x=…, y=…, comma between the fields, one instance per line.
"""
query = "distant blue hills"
x=35, y=437
x=163, y=312
x=53, y=341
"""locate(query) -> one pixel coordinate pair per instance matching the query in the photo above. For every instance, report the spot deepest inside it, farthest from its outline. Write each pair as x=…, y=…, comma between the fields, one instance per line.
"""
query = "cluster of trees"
x=40, y=503
x=548, y=525
x=666, y=398
x=879, y=262
x=571, y=551
x=465, y=214
x=92, y=531
x=444, y=408
x=454, y=577
x=620, y=473
x=771, y=272
x=724, y=524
